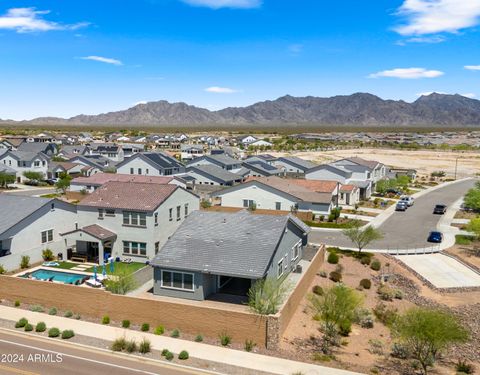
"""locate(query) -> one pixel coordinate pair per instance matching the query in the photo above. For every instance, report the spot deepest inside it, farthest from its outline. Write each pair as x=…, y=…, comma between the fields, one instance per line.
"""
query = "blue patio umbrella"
x=95, y=272
x=104, y=270
x=112, y=266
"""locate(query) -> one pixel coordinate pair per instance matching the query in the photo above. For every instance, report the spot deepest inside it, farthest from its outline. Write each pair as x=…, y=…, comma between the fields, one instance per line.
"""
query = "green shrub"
x=376, y=346
x=335, y=276
x=47, y=255
x=119, y=344
x=464, y=368
x=345, y=327
x=169, y=356
x=28, y=327
x=249, y=345
x=106, y=319
x=333, y=258
x=386, y=293
x=37, y=308
x=198, y=338
x=225, y=339
x=125, y=323
x=385, y=314
x=461, y=239
x=52, y=311
x=175, y=333
x=322, y=274
x=318, y=290
x=160, y=330
x=145, y=346
x=398, y=294
x=183, y=355
x=131, y=346
x=365, y=283
x=68, y=314
x=164, y=352
x=21, y=323
x=40, y=327
x=2, y=269
x=145, y=327
x=399, y=351
x=53, y=332
x=365, y=260
x=67, y=334
x=375, y=265
x=17, y=303
x=77, y=317
x=25, y=262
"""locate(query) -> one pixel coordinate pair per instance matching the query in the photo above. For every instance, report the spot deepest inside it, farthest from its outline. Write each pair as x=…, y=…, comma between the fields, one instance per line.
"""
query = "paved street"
x=31, y=356
x=31, y=192
x=404, y=230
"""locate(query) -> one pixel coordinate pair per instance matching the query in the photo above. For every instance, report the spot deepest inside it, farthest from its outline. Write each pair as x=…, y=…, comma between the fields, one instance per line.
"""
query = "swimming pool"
x=61, y=277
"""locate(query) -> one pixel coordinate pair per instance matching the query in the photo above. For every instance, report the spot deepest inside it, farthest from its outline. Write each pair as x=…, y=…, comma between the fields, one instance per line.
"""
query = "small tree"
x=334, y=214
x=63, y=182
x=335, y=309
x=6, y=179
x=362, y=237
x=474, y=226
x=33, y=176
x=428, y=332
x=47, y=255
x=472, y=198
x=121, y=282
x=266, y=295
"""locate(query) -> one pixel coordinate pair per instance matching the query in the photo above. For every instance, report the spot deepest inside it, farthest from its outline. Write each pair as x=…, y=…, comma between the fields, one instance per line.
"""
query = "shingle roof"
x=162, y=159
x=24, y=155
x=129, y=196
x=216, y=172
x=103, y=178
x=35, y=147
x=262, y=167
x=304, y=164
x=367, y=163
x=6, y=169
x=14, y=208
x=239, y=244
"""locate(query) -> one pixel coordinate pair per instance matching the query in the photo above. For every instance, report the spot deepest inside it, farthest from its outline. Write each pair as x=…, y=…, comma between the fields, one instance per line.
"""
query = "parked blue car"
x=435, y=237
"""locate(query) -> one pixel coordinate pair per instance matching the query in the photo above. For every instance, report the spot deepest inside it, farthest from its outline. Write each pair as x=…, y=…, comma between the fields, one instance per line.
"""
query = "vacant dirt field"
x=424, y=161
x=302, y=335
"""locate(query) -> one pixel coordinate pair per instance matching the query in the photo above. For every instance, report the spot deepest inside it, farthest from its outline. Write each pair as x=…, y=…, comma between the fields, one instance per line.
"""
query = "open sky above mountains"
x=72, y=57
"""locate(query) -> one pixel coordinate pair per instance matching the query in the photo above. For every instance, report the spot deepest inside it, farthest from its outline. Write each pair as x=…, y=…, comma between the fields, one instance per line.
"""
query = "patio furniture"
x=93, y=283
x=78, y=258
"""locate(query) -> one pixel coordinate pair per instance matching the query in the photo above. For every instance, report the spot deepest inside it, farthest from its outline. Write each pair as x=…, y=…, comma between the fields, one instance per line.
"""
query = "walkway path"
x=207, y=352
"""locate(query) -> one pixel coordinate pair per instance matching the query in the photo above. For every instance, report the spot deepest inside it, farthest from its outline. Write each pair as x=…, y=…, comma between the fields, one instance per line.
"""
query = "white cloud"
x=217, y=4
x=425, y=17
x=105, y=60
x=407, y=73
x=27, y=20
x=470, y=95
x=472, y=67
x=220, y=90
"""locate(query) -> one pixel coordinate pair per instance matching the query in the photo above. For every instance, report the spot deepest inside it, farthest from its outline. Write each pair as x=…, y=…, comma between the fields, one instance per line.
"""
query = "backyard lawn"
x=132, y=267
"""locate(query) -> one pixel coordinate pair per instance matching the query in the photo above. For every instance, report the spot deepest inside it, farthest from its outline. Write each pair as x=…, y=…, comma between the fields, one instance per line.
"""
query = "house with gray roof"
x=23, y=161
x=293, y=165
x=151, y=164
x=226, y=253
x=260, y=168
x=29, y=225
x=220, y=160
x=49, y=149
x=207, y=174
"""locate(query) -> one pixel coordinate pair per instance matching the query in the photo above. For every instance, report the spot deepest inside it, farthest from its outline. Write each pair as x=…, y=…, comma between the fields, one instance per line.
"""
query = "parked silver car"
x=408, y=200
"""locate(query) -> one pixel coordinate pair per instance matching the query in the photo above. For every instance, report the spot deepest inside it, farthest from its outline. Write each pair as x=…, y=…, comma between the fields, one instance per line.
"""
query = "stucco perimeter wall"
x=188, y=318
x=277, y=324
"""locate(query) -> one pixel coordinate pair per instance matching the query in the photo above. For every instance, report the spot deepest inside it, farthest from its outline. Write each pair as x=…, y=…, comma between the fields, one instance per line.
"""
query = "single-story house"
x=260, y=168
x=56, y=168
x=218, y=252
x=206, y=174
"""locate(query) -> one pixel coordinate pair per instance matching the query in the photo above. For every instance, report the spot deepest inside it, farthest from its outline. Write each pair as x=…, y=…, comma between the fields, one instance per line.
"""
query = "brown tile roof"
x=98, y=232
x=316, y=185
x=65, y=164
x=366, y=163
x=348, y=188
x=103, y=178
x=129, y=196
x=290, y=187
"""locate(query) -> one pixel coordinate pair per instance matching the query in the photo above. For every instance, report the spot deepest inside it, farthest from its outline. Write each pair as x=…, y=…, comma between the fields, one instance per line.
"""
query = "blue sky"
x=63, y=58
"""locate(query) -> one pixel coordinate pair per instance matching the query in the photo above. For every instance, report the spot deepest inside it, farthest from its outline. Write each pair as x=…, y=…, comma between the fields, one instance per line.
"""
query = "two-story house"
x=23, y=162
x=151, y=164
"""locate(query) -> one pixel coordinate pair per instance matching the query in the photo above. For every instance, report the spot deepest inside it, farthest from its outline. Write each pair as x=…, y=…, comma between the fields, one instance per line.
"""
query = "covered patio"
x=92, y=243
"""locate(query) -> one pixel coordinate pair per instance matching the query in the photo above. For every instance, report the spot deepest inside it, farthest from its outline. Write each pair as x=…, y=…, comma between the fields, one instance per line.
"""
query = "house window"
x=280, y=268
x=100, y=213
x=135, y=248
x=156, y=218
x=146, y=171
x=296, y=251
x=157, y=247
x=278, y=206
x=47, y=236
x=109, y=212
x=139, y=170
x=179, y=209
x=186, y=209
x=36, y=163
x=132, y=171
x=137, y=219
x=248, y=203
x=177, y=280
x=170, y=214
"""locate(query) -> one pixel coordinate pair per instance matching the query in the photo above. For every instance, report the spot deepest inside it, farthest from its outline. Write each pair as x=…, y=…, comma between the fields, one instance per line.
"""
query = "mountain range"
x=360, y=109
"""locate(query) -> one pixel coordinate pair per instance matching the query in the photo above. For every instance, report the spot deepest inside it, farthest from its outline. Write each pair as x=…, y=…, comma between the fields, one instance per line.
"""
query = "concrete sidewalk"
x=207, y=352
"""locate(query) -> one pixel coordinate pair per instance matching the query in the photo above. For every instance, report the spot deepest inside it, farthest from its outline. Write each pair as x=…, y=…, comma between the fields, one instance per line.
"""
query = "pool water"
x=62, y=277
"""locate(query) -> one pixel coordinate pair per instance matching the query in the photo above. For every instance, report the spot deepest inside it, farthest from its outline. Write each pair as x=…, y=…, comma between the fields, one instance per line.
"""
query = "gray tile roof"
x=6, y=169
x=15, y=208
x=304, y=164
x=239, y=244
x=261, y=167
x=215, y=172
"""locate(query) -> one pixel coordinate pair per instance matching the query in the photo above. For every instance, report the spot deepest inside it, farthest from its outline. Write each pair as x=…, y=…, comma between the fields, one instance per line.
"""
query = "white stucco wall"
x=9, y=161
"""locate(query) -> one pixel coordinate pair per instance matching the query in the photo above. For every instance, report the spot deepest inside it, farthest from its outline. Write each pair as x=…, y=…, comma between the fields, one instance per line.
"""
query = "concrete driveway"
x=441, y=270
x=404, y=230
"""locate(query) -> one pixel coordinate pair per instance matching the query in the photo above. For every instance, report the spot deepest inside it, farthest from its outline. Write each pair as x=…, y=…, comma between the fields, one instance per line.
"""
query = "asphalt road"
x=404, y=230
x=31, y=192
x=21, y=354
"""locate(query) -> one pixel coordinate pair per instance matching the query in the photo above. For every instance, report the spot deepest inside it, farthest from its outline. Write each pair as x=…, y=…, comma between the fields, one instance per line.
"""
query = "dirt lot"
x=424, y=161
x=302, y=335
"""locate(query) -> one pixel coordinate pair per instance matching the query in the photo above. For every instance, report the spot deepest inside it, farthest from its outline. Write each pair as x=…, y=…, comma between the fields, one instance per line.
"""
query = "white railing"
x=414, y=251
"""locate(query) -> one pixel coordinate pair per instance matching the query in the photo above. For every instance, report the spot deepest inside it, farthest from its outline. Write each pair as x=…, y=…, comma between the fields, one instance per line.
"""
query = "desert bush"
x=335, y=276
x=175, y=333
x=160, y=330
x=365, y=283
x=106, y=319
x=365, y=260
x=249, y=345
x=399, y=351
x=145, y=327
x=145, y=346
x=322, y=274
x=463, y=367
x=52, y=311
x=119, y=344
x=47, y=255
x=266, y=296
x=17, y=303
x=345, y=327
x=2, y=269
x=67, y=334
x=125, y=323
x=21, y=323
x=37, y=308
x=77, y=317
x=385, y=292
x=25, y=262
x=183, y=355
x=131, y=346
x=333, y=258
x=28, y=327
x=318, y=290
x=68, y=314
x=376, y=346
x=398, y=294
x=385, y=314
x=40, y=327
x=53, y=332
x=169, y=356
x=375, y=265
x=198, y=338
x=225, y=339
